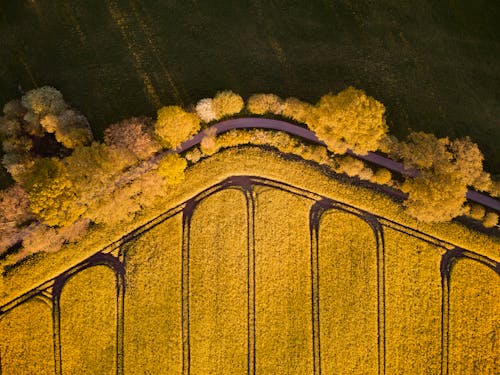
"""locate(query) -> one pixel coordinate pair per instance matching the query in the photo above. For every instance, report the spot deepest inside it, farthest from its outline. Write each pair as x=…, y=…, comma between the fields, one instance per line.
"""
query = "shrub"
x=51, y=193
x=265, y=103
x=349, y=120
x=70, y=128
x=205, y=110
x=194, y=155
x=477, y=211
x=365, y=174
x=434, y=197
x=174, y=126
x=133, y=134
x=382, y=176
x=76, y=231
x=208, y=144
x=297, y=110
x=43, y=101
x=227, y=103
x=351, y=166
x=172, y=167
x=490, y=219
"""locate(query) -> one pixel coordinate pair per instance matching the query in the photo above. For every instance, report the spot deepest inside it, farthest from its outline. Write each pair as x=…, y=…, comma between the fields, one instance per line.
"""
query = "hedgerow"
x=66, y=182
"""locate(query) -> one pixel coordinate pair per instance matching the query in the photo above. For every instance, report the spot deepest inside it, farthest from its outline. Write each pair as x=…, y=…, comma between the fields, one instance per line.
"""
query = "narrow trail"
x=381, y=161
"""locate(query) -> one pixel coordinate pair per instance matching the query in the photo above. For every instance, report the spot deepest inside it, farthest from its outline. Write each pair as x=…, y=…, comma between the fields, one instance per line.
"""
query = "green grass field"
x=435, y=67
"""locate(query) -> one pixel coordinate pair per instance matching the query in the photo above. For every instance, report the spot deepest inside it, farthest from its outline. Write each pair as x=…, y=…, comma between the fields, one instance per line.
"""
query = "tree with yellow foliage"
x=349, y=120
x=297, y=110
x=52, y=195
x=261, y=104
x=174, y=125
x=446, y=168
x=171, y=168
x=227, y=103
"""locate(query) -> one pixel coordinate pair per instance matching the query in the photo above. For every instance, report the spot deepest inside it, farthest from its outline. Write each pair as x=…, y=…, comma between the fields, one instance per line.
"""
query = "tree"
x=208, y=144
x=134, y=134
x=297, y=110
x=349, y=120
x=174, y=126
x=43, y=101
x=445, y=169
x=477, y=211
x=351, y=166
x=70, y=128
x=52, y=195
x=227, y=103
x=490, y=219
x=434, y=197
x=205, y=110
x=14, y=214
x=265, y=103
x=382, y=176
x=172, y=167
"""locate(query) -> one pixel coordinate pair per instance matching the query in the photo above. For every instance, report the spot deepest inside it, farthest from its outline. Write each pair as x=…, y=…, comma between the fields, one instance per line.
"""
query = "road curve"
x=292, y=129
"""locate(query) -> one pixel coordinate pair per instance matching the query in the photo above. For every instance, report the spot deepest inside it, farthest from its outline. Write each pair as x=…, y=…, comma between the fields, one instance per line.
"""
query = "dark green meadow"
x=434, y=64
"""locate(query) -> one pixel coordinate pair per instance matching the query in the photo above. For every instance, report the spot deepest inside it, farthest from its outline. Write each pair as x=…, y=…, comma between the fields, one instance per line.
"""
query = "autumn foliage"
x=66, y=181
x=349, y=120
x=174, y=126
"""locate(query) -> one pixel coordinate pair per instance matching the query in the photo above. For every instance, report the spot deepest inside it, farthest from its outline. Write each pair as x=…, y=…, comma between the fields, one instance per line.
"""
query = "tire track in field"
x=153, y=47
x=123, y=24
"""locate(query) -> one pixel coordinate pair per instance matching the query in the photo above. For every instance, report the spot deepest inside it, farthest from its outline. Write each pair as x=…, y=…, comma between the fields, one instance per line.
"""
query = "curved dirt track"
x=381, y=161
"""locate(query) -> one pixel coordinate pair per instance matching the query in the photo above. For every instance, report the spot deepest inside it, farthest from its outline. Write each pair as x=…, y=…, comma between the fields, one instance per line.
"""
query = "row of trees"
x=67, y=180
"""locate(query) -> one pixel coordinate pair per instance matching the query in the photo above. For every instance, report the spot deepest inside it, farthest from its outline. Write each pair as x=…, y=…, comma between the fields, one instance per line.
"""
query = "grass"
x=433, y=66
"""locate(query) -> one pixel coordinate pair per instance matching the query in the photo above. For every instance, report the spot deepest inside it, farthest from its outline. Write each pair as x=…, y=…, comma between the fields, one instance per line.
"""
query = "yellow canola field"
x=246, y=282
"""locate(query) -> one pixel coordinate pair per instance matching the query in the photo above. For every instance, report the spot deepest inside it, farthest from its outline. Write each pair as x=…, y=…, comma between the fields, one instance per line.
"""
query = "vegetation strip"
x=67, y=182
x=280, y=125
x=246, y=182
